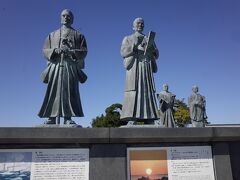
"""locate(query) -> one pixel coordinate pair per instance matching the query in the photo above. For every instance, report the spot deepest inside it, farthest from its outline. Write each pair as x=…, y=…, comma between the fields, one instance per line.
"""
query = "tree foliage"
x=182, y=114
x=110, y=119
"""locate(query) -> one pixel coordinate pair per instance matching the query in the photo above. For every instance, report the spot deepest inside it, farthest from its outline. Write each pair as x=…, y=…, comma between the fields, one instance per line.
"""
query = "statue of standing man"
x=197, y=104
x=166, y=107
x=65, y=50
x=140, y=54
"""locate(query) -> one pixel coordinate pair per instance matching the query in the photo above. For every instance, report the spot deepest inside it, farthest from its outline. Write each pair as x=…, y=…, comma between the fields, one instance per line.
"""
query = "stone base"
x=198, y=124
x=132, y=124
x=59, y=126
x=108, y=147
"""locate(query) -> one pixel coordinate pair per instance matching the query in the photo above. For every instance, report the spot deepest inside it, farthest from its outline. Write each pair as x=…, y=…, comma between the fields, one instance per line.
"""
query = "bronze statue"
x=65, y=50
x=166, y=107
x=197, y=104
x=140, y=53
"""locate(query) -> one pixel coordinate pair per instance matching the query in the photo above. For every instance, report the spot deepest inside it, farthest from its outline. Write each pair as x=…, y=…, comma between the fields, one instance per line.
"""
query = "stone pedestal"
x=108, y=146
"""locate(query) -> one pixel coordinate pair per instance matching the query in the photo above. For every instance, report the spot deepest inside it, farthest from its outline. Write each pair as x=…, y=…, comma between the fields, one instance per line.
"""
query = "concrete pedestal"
x=108, y=146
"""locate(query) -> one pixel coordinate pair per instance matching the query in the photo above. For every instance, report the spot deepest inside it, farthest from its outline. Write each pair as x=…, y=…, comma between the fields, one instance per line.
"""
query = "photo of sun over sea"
x=148, y=165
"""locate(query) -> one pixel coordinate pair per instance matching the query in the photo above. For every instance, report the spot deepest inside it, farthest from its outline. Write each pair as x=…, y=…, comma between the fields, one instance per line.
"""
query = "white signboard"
x=190, y=163
x=171, y=163
x=39, y=164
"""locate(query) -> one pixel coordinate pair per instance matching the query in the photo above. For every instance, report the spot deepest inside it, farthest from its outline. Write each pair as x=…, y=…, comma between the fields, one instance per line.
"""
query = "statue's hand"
x=58, y=51
x=135, y=47
x=141, y=47
x=68, y=53
x=65, y=50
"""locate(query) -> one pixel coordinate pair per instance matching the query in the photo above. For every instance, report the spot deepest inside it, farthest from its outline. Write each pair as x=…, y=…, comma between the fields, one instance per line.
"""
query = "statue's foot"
x=50, y=121
x=130, y=123
x=157, y=123
x=69, y=122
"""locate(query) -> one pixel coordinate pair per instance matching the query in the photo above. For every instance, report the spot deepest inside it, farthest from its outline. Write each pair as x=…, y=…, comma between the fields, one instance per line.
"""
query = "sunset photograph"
x=148, y=165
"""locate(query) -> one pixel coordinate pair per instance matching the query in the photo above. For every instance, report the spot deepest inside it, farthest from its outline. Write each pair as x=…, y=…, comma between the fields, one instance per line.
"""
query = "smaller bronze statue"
x=65, y=50
x=166, y=107
x=197, y=104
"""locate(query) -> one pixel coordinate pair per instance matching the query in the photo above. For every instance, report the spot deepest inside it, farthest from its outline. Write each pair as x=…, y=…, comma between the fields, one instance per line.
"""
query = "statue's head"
x=165, y=87
x=195, y=89
x=138, y=25
x=67, y=17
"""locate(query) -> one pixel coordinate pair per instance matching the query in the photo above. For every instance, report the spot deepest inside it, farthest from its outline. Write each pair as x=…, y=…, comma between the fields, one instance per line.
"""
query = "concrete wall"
x=108, y=146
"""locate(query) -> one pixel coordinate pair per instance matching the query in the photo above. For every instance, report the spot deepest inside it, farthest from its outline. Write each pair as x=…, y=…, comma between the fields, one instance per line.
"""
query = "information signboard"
x=39, y=164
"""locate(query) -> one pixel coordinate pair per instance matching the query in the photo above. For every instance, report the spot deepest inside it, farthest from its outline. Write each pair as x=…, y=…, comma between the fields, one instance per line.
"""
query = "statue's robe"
x=63, y=74
x=139, y=97
x=166, y=103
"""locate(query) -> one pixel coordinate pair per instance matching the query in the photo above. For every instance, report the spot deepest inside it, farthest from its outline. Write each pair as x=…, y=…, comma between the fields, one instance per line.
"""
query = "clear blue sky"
x=199, y=43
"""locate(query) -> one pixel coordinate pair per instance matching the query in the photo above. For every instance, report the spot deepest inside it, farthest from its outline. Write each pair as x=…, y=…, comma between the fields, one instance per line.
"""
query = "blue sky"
x=199, y=43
